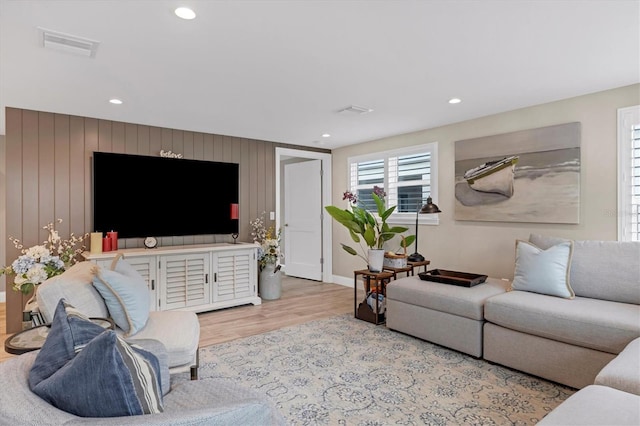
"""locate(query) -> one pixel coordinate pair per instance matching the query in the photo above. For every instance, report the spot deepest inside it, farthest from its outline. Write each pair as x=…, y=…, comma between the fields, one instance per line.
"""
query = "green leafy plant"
x=364, y=227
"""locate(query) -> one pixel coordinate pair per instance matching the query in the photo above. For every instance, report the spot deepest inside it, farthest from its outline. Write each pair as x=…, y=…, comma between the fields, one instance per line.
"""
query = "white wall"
x=489, y=247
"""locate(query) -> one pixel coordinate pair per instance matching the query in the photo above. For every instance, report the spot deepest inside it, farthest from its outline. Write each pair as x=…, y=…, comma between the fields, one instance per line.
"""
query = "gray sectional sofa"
x=575, y=341
x=570, y=340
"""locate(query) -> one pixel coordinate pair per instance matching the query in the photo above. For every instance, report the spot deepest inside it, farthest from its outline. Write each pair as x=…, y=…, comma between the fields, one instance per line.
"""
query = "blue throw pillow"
x=108, y=378
x=543, y=271
x=126, y=295
x=70, y=332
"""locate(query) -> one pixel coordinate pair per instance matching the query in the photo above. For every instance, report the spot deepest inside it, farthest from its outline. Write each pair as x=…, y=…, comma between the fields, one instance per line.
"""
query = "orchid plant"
x=363, y=226
x=39, y=263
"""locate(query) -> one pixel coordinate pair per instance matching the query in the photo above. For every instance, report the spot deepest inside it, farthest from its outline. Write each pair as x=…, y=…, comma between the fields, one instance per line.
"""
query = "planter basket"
x=396, y=260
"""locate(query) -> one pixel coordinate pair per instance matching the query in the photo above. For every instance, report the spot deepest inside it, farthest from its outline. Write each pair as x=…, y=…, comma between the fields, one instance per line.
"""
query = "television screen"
x=140, y=196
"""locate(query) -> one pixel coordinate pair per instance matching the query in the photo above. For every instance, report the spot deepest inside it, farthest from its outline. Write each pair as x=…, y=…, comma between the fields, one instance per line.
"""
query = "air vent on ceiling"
x=355, y=109
x=67, y=43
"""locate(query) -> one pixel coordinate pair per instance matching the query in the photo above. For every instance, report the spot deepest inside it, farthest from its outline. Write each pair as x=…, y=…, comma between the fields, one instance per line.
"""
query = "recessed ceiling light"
x=115, y=101
x=326, y=135
x=185, y=13
x=455, y=101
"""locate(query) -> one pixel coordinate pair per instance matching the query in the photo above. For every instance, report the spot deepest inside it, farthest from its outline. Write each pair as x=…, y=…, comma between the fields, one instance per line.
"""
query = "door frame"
x=281, y=155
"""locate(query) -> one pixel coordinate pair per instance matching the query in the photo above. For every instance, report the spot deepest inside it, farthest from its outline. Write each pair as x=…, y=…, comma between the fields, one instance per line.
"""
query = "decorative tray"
x=463, y=279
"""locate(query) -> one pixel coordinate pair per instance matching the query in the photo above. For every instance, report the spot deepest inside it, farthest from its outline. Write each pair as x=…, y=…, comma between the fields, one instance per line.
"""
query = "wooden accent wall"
x=48, y=169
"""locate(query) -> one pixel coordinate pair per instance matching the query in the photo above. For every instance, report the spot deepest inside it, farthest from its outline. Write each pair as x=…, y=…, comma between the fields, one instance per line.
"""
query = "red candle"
x=113, y=236
x=234, y=211
x=106, y=244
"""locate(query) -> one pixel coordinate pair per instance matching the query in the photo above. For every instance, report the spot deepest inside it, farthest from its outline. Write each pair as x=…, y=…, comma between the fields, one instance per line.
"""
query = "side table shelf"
x=379, y=281
x=33, y=338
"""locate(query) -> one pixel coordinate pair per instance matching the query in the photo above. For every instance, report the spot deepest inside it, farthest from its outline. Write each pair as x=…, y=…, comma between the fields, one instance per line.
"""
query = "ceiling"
x=281, y=70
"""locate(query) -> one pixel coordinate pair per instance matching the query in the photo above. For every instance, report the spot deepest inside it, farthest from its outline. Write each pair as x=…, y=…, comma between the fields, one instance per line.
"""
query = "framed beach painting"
x=525, y=176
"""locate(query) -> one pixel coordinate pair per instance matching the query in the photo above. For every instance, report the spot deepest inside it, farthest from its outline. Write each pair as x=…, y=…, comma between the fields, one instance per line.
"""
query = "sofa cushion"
x=178, y=331
x=70, y=332
x=126, y=295
x=596, y=324
x=75, y=285
x=623, y=372
x=543, y=271
x=108, y=378
x=607, y=270
x=596, y=406
x=452, y=299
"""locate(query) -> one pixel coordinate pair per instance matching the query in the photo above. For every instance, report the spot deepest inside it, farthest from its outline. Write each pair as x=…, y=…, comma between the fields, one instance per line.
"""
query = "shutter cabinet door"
x=234, y=276
x=146, y=267
x=186, y=280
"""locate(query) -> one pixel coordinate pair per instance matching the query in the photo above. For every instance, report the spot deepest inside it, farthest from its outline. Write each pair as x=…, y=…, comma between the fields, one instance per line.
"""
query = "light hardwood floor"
x=301, y=301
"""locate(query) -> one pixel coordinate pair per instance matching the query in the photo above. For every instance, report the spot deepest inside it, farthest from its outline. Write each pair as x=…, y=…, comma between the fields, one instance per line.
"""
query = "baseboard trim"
x=345, y=281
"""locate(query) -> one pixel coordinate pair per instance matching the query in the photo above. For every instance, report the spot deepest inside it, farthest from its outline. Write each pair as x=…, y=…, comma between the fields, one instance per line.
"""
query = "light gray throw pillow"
x=607, y=270
x=543, y=271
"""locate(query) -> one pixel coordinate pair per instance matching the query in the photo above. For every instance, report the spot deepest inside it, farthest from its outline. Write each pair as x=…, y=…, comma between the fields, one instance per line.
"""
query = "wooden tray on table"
x=462, y=279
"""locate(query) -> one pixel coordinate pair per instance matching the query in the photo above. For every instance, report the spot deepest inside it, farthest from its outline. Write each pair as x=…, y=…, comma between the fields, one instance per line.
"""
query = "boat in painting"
x=493, y=176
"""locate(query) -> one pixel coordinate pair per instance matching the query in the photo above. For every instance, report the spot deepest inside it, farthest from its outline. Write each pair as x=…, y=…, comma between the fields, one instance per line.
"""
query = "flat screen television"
x=140, y=196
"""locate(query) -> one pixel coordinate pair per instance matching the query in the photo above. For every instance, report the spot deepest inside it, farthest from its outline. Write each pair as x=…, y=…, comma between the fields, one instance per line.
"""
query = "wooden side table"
x=380, y=281
x=424, y=263
x=407, y=270
x=33, y=338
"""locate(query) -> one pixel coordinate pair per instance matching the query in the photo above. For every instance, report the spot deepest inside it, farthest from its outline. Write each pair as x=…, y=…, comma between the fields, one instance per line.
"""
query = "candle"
x=106, y=244
x=113, y=236
x=96, y=242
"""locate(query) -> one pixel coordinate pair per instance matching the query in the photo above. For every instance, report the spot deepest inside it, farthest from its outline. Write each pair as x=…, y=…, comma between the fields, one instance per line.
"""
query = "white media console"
x=197, y=278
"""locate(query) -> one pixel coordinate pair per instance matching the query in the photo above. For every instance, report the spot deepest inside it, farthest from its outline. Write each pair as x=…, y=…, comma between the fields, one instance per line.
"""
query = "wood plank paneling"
x=48, y=162
x=62, y=189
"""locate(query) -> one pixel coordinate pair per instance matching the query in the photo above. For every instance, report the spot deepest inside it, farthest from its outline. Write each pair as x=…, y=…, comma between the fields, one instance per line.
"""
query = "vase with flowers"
x=38, y=263
x=269, y=256
x=369, y=230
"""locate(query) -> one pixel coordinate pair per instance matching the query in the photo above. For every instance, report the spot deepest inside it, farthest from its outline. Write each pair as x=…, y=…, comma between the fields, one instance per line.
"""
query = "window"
x=408, y=176
x=629, y=174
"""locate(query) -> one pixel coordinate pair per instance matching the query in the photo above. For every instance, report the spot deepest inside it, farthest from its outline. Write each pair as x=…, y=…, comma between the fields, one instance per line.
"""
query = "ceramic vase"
x=375, y=259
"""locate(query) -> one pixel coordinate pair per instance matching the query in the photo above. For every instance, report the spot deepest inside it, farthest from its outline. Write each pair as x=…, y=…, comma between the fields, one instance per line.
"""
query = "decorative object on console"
x=150, y=242
x=361, y=223
x=428, y=208
x=96, y=242
x=113, y=236
x=106, y=244
x=235, y=215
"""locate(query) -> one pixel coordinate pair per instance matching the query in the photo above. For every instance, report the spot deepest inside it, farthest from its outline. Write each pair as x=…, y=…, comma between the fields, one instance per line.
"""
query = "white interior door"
x=303, y=219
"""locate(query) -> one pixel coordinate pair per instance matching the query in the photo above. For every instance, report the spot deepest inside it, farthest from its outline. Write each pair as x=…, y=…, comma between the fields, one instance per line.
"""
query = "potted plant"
x=366, y=228
x=269, y=256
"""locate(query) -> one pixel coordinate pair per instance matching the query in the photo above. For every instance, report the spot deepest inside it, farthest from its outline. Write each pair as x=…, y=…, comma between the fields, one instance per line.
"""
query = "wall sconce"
x=235, y=215
x=428, y=208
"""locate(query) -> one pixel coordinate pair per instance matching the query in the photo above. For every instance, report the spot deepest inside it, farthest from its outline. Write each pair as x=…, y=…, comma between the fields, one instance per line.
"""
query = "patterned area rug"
x=344, y=371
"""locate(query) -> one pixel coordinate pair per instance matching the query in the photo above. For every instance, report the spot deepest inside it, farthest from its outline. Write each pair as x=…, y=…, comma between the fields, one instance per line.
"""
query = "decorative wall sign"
x=525, y=176
x=169, y=154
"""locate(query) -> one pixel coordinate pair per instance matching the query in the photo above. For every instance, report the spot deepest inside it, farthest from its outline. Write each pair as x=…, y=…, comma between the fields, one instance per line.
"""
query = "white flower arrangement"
x=268, y=241
x=41, y=262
